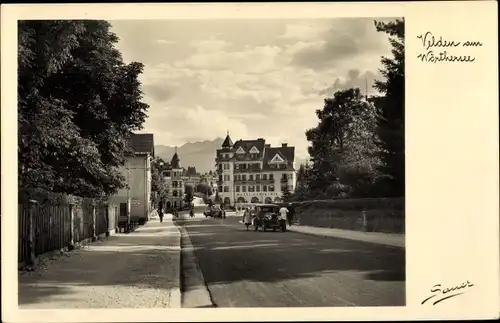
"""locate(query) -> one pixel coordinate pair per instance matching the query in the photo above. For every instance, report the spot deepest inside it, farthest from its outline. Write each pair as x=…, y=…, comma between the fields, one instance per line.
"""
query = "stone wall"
x=370, y=214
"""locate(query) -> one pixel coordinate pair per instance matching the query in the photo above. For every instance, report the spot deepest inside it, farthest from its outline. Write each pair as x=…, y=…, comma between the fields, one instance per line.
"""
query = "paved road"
x=275, y=269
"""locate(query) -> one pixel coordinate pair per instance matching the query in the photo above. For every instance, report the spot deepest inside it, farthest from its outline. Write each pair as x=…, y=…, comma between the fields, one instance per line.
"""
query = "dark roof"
x=287, y=153
x=227, y=142
x=247, y=145
x=142, y=143
x=175, y=162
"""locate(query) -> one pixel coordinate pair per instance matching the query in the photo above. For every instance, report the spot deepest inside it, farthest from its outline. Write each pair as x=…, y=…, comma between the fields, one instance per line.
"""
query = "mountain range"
x=200, y=154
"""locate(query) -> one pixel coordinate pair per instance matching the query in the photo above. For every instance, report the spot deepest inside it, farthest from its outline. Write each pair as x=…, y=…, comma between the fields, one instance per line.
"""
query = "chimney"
x=284, y=145
x=267, y=146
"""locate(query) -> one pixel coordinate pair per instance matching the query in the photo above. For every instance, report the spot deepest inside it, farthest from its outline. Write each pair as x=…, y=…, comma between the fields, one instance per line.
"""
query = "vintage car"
x=213, y=211
x=266, y=216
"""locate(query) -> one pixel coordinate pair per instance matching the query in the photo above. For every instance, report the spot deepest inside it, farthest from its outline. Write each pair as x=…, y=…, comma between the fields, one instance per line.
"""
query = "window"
x=251, y=188
x=271, y=188
x=226, y=166
x=174, y=193
x=271, y=177
x=236, y=166
x=250, y=177
x=243, y=177
x=264, y=188
x=264, y=177
x=282, y=166
x=236, y=177
x=243, y=188
x=220, y=189
x=237, y=188
x=226, y=188
x=227, y=178
x=257, y=177
x=257, y=188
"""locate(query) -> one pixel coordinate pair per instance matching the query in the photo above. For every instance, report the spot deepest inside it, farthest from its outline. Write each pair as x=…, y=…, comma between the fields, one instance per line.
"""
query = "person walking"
x=290, y=214
x=160, y=210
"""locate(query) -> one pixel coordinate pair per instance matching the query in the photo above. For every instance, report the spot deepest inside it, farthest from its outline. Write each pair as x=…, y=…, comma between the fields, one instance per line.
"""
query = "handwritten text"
x=440, y=294
x=431, y=45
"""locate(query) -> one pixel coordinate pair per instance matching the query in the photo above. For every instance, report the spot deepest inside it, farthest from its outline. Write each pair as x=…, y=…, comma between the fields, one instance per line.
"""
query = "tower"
x=176, y=191
x=228, y=143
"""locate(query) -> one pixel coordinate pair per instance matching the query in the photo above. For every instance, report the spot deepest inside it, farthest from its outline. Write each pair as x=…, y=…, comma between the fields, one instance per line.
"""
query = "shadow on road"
x=375, y=273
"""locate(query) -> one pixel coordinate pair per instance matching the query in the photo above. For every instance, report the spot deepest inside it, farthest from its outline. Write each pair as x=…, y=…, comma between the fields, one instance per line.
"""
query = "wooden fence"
x=45, y=228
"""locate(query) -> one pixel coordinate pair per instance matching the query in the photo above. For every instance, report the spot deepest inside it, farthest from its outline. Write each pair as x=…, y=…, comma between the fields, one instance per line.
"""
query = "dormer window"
x=277, y=159
x=254, y=150
x=240, y=151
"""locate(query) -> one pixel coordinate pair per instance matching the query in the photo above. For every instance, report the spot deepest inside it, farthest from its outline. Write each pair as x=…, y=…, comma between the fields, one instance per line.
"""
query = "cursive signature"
x=442, y=294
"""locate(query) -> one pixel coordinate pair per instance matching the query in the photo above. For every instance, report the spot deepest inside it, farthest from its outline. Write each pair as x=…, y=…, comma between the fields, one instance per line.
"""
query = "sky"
x=253, y=78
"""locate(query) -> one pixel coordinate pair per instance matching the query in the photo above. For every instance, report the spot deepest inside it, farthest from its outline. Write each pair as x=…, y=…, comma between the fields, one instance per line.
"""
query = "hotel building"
x=251, y=171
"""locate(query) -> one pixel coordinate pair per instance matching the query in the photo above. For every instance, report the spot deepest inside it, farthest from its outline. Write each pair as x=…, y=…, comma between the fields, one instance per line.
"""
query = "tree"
x=342, y=142
x=286, y=194
x=205, y=189
x=217, y=197
x=391, y=109
x=159, y=187
x=189, y=194
x=77, y=104
x=191, y=171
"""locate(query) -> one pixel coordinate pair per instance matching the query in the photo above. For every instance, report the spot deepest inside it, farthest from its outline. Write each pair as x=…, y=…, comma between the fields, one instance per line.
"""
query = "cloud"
x=165, y=42
x=157, y=92
x=252, y=84
x=355, y=79
x=342, y=41
x=210, y=45
x=304, y=30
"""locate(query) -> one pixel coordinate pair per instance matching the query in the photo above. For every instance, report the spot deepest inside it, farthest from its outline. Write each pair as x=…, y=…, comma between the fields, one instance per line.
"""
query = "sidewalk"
x=136, y=270
x=388, y=239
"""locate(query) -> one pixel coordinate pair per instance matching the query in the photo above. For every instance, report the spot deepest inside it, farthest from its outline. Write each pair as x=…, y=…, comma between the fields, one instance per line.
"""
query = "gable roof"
x=240, y=150
x=246, y=145
x=277, y=158
x=142, y=143
x=287, y=153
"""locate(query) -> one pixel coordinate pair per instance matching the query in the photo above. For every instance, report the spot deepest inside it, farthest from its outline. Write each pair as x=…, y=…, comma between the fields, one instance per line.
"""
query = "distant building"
x=175, y=182
x=134, y=199
x=251, y=171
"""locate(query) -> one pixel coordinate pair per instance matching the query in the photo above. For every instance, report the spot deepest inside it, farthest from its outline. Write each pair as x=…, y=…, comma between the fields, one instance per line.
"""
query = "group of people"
x=284, y=213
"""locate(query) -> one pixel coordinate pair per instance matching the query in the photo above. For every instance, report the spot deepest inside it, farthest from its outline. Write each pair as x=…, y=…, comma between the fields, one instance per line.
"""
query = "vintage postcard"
x=250, y=162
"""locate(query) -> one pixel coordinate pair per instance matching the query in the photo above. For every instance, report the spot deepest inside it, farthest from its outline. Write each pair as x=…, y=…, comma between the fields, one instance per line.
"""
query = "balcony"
x=247, y=170
x=254, y=181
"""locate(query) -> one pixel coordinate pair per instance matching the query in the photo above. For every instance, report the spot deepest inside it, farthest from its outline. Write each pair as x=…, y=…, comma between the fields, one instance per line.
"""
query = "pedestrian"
x=290, y=214
x=283, y=213
x=247, y=218
x=160, y=210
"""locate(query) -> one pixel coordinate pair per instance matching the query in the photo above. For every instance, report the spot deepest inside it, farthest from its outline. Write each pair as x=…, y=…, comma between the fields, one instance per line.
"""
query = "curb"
x=345, y=238
x=175, y=293
x=194, y=290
